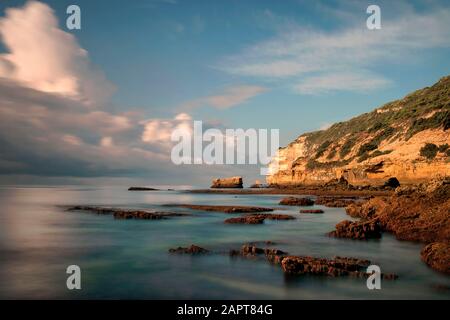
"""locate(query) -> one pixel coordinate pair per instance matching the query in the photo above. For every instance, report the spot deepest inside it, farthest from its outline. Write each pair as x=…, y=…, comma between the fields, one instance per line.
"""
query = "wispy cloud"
x=312, y=60
x=232, y=96
x=343, y=81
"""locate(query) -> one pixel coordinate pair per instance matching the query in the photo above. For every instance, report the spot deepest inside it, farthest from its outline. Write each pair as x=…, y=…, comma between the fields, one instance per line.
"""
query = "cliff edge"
x=408, y=139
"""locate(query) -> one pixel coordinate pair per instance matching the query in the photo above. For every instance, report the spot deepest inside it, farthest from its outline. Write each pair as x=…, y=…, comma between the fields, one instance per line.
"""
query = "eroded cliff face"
x=408, y=139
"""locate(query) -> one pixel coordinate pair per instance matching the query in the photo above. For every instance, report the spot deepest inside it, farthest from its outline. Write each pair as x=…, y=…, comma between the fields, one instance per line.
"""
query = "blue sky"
x=293, y=65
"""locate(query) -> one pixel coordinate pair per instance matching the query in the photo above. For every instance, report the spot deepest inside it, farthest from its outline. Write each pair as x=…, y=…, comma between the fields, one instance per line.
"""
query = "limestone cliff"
x=408, y=139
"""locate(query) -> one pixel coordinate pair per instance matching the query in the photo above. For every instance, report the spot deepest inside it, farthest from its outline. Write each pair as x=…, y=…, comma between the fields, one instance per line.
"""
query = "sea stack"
x=232, y=182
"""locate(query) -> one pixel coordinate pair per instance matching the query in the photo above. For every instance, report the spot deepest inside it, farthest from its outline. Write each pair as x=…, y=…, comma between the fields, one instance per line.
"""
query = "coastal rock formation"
x=193, y=249
x=415, y=213
x=226, y=209
x=127, y=214
x=251, y=251
x=357, y=230
x=335, y=202
x=232, y=182
x=311, y=211
x=142, y=189
x=259, y=218
x=437, y=256
x=251, y=219
x=407, y=139
x=294, y=201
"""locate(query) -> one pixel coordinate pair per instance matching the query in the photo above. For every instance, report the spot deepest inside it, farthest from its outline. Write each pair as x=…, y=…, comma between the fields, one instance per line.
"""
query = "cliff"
x=408, y=139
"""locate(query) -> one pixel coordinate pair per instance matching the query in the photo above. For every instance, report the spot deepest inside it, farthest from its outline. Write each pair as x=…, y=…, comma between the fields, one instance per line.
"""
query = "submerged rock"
x=232, y=182
x=127, y=214
x=259, y=218
x=226, y=209
x=294, y=201
x=357, y=230
x=311, y=211
x=193, y=249
x=142, y=189
x=252, y=219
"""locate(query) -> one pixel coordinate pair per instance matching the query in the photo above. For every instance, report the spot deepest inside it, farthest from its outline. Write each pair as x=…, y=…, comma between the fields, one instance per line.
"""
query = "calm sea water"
x=128, y=259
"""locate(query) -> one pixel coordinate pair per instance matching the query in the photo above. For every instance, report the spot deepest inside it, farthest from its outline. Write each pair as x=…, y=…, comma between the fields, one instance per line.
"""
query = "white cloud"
x=315, y=60
x=232, y=96
x=345, y=81
x=159, y=131
x=43, y=57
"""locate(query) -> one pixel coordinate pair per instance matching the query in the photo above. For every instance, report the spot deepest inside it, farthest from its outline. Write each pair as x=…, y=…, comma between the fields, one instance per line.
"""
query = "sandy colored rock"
x=232, y=182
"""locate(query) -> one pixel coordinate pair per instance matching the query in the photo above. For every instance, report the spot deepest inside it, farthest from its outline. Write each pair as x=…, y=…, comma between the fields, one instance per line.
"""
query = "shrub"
x=429, y=151
x=369, y=146
x=347, y=147
x=443, y=147
x=322, y=148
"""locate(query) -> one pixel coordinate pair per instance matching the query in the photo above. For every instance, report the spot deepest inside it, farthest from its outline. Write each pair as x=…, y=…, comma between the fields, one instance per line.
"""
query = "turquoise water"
x=128, y=259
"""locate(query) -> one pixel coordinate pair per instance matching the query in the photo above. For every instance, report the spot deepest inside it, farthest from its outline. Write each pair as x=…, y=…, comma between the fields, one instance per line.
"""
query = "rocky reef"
x=218, y=208
x=193, y=250
x=295, y=201
x=303, y=265
x=415, y=213
x=119, y=213
x=232, y=182
x=357, y=230
x=258, y=218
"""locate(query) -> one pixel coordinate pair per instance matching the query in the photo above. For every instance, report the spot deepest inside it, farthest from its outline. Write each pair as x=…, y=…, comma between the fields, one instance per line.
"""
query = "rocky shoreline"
x=415, y=213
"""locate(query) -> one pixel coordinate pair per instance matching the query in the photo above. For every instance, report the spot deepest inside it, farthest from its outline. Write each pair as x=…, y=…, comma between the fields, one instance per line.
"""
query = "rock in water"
x=232, y=182
x=311, y=211
x=437, y=256
x=357, y=230
x=193, y=249
x=294, y=201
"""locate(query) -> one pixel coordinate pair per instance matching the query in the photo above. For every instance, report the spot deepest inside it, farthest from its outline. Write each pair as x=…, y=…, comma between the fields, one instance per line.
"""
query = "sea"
x=129, y=259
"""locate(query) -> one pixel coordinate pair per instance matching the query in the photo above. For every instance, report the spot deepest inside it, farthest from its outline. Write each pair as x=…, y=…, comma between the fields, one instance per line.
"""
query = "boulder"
x=437, y=256
x=295, y=201
x=357, y=230
x=232, y=182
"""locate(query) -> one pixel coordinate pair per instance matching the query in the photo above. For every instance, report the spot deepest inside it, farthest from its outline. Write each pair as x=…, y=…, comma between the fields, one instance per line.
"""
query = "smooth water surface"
x=129, y=259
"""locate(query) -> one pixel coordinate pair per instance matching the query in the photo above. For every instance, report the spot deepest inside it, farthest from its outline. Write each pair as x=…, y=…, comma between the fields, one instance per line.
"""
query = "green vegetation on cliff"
x=427, y=108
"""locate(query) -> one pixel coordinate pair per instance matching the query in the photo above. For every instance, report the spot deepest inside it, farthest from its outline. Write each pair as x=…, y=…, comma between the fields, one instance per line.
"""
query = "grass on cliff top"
x=390, y=120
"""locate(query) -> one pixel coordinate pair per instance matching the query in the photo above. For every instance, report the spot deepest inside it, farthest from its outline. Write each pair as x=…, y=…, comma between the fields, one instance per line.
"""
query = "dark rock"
x=311, y=211
x=357, y=230
x=226, y=209
x=259, y=218
x=294, y=201
x=246, y=220
x=335, y=202
x=392, y=183
x=127, y=214
x=437, y=256
x=193, y=249
x=141, y=189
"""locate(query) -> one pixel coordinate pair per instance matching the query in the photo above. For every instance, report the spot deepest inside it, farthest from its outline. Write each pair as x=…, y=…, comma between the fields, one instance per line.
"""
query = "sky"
x=98, y=105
